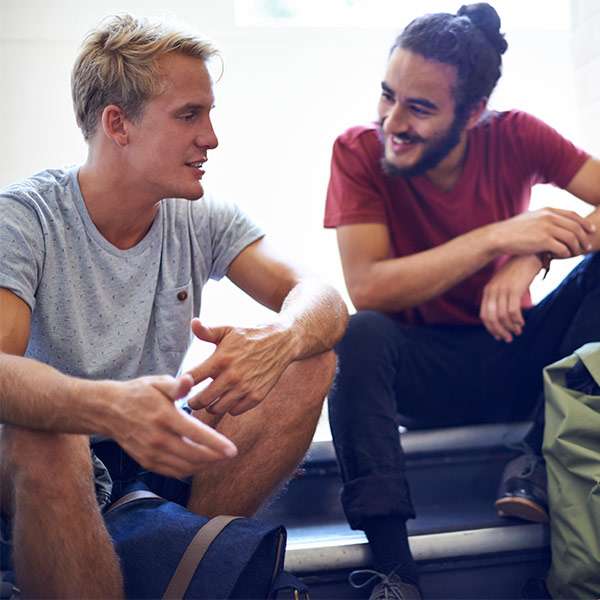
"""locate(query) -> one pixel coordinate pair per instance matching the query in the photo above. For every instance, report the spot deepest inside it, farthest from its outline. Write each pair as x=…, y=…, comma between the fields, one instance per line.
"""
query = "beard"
x=436, y=149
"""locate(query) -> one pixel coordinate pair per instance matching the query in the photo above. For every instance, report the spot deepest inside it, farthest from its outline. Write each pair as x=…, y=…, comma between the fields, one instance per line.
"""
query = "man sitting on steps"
x=438, y=251
x=101, y=271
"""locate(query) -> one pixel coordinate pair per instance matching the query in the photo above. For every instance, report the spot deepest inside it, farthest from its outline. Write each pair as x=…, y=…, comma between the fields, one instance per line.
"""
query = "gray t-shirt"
x=98, y=311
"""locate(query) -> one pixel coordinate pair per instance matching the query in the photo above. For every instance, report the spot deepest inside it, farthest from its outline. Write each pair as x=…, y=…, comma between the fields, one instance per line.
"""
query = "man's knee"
x=311, y=379
x=593, y=269
x=369, y=333
x=374, y=344
x=302, y=387
x=323, y=370
x=587, y=272
x=42, y=463
x=367, y=324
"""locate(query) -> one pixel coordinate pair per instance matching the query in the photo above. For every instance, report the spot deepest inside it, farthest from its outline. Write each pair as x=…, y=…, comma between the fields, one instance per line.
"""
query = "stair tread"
x=334, y=547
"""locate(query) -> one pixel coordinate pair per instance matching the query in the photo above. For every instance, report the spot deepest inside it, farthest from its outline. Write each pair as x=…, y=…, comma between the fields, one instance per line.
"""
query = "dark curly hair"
x=470, y=40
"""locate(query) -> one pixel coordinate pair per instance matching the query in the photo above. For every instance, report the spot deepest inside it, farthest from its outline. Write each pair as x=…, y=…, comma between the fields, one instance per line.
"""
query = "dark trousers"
x=439, y=376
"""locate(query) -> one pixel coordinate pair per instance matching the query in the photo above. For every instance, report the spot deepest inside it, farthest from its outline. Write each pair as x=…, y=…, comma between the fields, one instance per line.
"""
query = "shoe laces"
x=388, y=588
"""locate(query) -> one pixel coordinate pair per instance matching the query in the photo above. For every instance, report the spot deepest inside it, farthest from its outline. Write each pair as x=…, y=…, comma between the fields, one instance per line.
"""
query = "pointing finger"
x=200, y=433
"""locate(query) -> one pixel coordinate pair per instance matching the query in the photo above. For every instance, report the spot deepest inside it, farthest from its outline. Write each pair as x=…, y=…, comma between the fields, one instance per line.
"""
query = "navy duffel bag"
x=169, y=552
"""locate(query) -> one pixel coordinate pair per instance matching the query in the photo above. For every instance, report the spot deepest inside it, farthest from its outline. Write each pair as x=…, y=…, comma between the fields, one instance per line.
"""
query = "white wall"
x=285, y=95
x=586, y=62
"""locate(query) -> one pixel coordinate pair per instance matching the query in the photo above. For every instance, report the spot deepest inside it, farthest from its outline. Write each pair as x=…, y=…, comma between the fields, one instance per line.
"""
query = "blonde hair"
x=117, y=64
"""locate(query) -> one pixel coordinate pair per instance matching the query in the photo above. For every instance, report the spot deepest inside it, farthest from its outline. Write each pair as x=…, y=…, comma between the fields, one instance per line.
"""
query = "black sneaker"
x=523, y=488
x=390, y=587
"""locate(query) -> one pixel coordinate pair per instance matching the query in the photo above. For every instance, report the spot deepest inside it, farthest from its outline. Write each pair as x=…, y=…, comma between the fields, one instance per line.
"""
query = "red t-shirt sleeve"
x=353, y=194
x=547, y=154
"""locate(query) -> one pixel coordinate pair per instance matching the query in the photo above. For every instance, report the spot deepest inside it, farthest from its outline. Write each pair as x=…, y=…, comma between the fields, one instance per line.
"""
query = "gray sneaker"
x=523, y=488
x=390, y=587
x=7, y=590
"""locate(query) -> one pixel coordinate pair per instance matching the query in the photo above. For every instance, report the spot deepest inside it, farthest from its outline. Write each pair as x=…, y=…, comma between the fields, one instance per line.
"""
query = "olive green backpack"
x=572, y=453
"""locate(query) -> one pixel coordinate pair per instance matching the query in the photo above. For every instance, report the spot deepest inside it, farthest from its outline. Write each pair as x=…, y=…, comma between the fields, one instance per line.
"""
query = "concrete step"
x=463, y=548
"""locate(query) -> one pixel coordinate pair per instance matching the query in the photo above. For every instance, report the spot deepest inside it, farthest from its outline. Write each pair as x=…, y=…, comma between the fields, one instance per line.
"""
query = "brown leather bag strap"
x=132, y=497
x=192, y=556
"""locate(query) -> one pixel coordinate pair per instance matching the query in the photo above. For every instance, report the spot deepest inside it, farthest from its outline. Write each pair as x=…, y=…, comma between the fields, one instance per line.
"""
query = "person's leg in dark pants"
x=387, y=368
x=363, y=419
x=441, y=376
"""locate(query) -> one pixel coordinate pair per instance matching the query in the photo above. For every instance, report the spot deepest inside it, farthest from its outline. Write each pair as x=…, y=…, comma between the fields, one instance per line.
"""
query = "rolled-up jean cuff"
x=376, y=496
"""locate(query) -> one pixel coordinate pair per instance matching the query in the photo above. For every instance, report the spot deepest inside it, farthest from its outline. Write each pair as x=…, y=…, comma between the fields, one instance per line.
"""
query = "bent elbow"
x=371, y=296
x=364, y=297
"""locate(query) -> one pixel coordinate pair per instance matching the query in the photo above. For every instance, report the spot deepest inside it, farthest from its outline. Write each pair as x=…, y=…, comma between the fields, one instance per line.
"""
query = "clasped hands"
x=561, y=233
x=245, y=366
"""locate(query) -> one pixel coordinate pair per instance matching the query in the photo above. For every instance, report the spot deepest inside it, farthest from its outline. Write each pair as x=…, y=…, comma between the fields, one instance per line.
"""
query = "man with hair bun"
x=101, y=271
x=438, y=250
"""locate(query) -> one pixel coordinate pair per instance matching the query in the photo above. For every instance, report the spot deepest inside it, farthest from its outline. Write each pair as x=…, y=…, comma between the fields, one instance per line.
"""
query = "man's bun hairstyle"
x=484, y=17
x=470, y=40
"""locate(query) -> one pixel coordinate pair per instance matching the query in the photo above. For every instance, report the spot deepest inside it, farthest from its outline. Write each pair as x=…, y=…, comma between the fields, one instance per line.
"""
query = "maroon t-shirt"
x=507, y=153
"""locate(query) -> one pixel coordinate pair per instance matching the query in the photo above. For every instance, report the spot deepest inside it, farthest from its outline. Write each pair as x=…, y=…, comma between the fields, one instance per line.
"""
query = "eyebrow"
x=193, y=106
x=420, y=101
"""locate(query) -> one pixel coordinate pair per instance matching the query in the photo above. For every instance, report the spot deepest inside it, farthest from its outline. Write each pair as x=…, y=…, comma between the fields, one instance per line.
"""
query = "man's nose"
x=396, y=120
x=207, y=138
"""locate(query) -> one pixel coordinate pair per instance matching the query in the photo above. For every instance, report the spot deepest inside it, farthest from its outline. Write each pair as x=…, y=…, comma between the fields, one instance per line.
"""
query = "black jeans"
x=440, y=376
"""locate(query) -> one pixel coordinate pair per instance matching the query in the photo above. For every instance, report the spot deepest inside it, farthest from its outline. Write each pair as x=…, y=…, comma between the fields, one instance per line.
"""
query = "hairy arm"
x=139, y=414
x=248, y=361
x=33, y=394
x=311, y=312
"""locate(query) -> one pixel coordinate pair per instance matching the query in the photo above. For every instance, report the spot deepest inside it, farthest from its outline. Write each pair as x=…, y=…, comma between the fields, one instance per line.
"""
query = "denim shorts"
x=116, y=473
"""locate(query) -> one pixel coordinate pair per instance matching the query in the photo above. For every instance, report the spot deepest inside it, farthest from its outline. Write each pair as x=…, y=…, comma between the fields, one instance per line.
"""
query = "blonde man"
x=102, y=269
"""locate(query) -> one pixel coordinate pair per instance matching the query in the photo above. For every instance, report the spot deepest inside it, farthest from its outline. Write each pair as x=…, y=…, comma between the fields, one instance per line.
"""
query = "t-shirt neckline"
x=94, y=232
x=432, y=191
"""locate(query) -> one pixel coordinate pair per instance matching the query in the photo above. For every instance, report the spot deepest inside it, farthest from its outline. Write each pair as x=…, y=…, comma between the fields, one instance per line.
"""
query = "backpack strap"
x=192, y=556
x=132, y=497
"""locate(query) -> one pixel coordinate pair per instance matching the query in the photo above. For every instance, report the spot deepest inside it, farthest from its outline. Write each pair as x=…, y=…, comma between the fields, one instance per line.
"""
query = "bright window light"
x=549, y=15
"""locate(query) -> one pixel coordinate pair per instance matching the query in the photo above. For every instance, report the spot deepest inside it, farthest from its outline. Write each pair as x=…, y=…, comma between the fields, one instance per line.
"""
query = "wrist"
x=290, y=332
x=100, y=399
x=493, y=240
x=529, y=263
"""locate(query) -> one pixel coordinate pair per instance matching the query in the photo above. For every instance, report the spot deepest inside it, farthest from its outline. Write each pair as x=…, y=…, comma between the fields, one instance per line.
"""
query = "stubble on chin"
x=392, y=170
x=388, y=167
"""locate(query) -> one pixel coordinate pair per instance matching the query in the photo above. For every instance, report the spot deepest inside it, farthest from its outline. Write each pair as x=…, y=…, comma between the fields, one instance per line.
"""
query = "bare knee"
x=46, y=465
x=311, y=378
x=303, y=386
x=324, y=370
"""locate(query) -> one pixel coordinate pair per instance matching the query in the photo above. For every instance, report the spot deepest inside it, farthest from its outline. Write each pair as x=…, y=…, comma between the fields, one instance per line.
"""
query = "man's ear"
x=115, y=125
x=476, y=113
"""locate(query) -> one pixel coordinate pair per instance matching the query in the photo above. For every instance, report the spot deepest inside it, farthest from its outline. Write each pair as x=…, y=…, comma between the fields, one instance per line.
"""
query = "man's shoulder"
x=508, y=122
x=359, y=135
x=40, y=190
x=358, y=148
